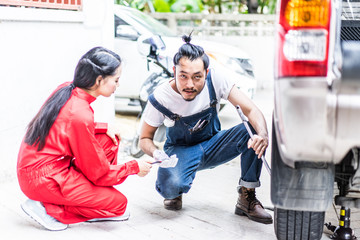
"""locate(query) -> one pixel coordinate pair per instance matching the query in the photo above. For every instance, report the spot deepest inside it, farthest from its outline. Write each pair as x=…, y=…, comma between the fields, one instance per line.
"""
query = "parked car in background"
x=130, y=24
x=315, y=133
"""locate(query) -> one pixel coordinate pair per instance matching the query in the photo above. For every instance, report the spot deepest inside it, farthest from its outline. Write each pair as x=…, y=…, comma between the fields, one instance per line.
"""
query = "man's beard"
x=193, y=90
x=188, y=100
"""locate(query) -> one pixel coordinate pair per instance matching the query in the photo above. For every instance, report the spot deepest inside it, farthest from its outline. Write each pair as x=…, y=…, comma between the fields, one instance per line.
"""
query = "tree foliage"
x=211, y=6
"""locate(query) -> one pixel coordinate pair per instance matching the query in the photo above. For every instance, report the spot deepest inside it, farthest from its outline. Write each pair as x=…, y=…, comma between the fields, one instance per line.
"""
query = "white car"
x=130, y=24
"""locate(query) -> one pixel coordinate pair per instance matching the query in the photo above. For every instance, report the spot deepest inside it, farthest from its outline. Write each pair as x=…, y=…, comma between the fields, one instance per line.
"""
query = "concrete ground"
x=208, y=209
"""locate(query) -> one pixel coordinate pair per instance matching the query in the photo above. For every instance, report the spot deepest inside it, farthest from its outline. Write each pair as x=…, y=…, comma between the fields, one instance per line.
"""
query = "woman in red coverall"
x=67, y=164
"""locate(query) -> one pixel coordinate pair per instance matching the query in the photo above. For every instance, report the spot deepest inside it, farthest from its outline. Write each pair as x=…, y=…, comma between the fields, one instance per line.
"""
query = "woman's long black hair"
x=96, y=62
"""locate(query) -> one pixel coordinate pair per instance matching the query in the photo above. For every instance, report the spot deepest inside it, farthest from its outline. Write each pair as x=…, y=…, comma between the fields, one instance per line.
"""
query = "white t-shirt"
x=174, y=102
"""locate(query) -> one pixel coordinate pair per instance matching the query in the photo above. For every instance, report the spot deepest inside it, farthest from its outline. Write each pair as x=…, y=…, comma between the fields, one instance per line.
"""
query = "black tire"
x=294, y=224
x=299, y=225
x=135, y=150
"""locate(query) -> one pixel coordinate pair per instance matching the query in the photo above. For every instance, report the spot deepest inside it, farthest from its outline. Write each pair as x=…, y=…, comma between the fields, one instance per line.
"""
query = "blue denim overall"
x=203, y=148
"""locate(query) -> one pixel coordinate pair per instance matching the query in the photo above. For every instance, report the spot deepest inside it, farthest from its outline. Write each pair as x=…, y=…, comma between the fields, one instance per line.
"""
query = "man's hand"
x=160, y=156
x=114, y=134
x=259, y=144
x=144, y=167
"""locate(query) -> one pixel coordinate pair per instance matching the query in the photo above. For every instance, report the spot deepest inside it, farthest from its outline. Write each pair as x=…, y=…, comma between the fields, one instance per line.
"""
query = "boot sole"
x=172, y=208
x=240, y=212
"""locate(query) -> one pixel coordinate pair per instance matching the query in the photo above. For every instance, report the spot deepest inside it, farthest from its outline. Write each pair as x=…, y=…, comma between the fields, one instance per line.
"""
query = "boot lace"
x=251, y=198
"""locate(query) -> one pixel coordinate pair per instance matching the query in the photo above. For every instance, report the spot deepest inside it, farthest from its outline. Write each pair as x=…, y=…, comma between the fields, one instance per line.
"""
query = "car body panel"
x=316, y=117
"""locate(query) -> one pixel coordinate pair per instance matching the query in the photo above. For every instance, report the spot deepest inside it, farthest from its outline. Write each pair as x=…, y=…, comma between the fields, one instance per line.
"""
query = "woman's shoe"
x=123, y=217
x=38, y=212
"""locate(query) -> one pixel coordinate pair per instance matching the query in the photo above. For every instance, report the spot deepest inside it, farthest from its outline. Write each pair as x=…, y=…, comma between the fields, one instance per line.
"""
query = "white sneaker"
x=123, y=217
x=37, y=212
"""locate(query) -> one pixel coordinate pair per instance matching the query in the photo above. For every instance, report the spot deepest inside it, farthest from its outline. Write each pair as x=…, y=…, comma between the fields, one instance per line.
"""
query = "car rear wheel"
x=300, y=225
x=294, y=224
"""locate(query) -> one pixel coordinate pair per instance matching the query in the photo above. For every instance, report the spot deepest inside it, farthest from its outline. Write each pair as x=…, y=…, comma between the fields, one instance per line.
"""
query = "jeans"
x=221, y=148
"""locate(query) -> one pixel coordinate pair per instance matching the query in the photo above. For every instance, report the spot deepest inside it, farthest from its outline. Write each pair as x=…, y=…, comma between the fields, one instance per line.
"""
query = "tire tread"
x=298, y=225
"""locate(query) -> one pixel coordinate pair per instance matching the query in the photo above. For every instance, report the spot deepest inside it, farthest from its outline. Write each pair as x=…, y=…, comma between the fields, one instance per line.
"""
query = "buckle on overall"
x=213, y=103
x=175, y=117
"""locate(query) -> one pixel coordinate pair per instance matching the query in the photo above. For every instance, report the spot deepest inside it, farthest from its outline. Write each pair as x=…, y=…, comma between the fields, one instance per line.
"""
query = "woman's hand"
x=114, y=134
x=144, y=167
x=259, y=144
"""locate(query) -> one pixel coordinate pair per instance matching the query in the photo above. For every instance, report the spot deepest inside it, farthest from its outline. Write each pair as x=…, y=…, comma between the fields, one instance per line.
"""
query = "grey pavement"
x=208, y=209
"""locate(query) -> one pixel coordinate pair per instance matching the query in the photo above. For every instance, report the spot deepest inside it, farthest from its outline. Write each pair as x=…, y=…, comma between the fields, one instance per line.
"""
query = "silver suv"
x=316, y=133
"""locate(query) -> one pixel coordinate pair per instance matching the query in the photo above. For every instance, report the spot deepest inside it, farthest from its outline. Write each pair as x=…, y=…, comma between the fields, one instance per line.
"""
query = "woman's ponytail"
x=39, y=127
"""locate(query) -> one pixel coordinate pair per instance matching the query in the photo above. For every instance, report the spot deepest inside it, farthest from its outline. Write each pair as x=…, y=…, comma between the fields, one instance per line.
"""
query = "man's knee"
x=171, y=187
x=241, y=130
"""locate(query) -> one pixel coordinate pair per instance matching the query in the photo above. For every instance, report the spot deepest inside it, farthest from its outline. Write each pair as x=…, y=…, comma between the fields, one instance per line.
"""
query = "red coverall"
x=74, y=174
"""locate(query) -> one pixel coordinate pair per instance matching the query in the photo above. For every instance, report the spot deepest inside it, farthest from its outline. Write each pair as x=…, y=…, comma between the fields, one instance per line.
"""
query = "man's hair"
x=191, y=51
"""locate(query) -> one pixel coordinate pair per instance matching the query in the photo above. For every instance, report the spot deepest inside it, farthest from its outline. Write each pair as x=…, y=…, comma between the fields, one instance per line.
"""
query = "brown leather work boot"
x=249, y=205
x=173, y=204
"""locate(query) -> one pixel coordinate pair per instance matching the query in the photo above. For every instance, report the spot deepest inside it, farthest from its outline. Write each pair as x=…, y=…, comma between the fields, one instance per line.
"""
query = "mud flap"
x=307, y=187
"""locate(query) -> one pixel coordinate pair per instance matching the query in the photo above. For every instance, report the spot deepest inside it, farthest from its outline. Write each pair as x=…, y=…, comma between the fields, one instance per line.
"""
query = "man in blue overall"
x=188, y=106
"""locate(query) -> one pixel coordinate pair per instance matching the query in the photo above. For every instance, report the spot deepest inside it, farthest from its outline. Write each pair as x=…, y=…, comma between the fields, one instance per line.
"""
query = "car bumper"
x=313, y=122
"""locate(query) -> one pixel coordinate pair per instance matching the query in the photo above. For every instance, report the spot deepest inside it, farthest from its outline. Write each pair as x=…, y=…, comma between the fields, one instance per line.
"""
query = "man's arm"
x=146, y=139
x=260, y=141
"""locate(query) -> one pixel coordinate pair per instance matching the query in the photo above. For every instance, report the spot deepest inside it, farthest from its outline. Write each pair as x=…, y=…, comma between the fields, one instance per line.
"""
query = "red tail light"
x=303, y=38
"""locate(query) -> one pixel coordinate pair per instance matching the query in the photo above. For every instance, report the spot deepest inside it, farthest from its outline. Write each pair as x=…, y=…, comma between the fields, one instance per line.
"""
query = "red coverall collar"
x=83, y=95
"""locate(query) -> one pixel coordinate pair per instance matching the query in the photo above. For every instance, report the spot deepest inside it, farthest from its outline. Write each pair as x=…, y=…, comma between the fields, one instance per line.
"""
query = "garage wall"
x=39, y=49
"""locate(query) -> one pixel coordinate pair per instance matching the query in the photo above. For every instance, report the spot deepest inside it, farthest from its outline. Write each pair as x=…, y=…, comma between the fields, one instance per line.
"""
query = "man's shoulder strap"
x=213, y=100
x=162, y=109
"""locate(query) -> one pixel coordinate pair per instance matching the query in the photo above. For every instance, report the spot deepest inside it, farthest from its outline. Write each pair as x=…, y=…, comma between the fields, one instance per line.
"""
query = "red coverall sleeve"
x=101, y=127
x=90, y=158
